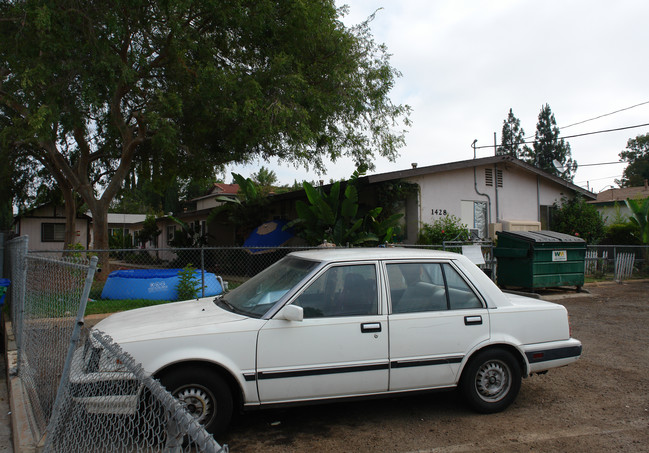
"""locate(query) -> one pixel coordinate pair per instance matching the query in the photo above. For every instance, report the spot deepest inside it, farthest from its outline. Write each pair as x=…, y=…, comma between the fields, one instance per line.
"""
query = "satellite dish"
x=558, y=165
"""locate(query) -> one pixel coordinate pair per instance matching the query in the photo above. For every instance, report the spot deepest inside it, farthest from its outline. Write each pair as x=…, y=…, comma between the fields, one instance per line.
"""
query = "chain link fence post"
x=202, y=271
x=18, y=257
x=74, y=339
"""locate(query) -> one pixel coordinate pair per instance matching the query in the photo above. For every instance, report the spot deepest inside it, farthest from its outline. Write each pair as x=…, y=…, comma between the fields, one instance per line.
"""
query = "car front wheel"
x=491, y=380
x=204, y=393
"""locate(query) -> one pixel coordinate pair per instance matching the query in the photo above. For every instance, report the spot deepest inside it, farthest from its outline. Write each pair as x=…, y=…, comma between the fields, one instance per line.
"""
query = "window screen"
x=52, y=232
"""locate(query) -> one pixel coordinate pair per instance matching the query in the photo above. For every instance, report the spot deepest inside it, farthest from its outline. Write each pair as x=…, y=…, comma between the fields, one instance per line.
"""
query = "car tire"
x=491, y=380
x=204, y=393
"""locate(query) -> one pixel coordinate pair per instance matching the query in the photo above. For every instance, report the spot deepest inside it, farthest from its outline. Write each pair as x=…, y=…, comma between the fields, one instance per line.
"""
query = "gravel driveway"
x=601, y=403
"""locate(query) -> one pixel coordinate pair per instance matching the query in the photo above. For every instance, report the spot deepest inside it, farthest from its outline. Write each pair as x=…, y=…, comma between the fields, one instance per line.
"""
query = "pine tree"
x=512, y=138
x=548, y=148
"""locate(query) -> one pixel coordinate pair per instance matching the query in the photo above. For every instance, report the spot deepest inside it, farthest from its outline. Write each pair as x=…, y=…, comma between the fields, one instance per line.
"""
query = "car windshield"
x=257, y=295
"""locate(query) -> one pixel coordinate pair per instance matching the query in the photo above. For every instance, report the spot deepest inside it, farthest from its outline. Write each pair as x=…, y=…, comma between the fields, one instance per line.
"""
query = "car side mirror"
x=291, y=313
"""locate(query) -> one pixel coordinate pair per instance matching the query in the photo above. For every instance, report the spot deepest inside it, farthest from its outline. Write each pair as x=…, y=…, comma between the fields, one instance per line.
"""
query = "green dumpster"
x=540, y=259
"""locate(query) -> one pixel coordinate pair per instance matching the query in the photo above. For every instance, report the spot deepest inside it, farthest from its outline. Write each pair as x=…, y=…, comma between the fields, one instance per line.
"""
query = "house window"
x=547, y=214
x=52, y=232
x=475, y=216
x=170, y=233
x=118, y=231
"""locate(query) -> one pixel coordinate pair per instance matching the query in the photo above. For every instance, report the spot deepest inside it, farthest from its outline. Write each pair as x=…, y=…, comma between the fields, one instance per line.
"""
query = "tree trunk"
x=70, y=217
x=100, y=238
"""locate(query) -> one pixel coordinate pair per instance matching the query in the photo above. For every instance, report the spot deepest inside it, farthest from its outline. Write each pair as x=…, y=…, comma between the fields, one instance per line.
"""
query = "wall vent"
x=488, y=177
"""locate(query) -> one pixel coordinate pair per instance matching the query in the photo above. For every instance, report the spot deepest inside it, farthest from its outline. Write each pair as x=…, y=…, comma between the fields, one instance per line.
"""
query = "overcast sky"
x=464, y=64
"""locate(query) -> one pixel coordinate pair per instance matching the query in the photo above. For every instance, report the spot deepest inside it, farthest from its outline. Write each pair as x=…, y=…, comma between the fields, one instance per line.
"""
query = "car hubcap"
x=198, y=402
x=493, y=380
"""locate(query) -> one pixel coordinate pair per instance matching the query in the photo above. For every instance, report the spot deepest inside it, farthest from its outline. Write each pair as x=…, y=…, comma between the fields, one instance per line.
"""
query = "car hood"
x=169, y=320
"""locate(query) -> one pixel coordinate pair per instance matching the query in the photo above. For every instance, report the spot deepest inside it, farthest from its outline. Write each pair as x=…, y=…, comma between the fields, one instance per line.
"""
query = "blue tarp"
x=4, y=284
x=153, y=284
x=268, y=236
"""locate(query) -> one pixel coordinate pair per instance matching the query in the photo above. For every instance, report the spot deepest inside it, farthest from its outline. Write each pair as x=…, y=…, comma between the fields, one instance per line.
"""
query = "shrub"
x=188, y=283
x=622, y=233
x=447, y=228
x=578, y=218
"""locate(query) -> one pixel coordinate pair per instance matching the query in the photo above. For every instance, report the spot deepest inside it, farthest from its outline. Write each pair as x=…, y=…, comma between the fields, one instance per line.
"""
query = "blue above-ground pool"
x=153, y=284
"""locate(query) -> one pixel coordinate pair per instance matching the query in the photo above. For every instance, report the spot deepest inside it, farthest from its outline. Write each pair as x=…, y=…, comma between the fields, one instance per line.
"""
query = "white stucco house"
x=487, y=194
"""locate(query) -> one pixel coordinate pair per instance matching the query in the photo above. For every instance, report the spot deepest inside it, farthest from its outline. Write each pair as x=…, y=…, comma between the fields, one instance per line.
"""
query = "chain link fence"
x=48, y=295
x=131, y=412
x=232, y=265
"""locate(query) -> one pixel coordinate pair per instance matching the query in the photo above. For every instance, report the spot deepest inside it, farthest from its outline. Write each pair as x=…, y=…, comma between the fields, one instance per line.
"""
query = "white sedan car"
x=340, y=323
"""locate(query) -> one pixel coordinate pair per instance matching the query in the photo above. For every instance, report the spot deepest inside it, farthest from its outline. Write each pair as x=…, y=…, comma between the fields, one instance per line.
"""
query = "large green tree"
x=88, y=85
x=512, y=138
x=551, y=153
x=637, y=157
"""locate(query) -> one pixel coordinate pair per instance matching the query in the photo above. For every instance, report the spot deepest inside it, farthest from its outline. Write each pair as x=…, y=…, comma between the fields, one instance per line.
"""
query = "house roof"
x=225, y=189
x=31, y=212
x=504, y=159
x=622, y=193
x=126, y=219
x=220, y=189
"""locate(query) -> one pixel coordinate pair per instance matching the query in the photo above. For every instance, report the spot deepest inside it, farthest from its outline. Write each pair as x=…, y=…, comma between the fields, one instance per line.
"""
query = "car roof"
x=376, y=253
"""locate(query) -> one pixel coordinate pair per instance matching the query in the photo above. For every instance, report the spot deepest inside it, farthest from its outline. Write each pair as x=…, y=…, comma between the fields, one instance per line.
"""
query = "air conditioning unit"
x=521, y=225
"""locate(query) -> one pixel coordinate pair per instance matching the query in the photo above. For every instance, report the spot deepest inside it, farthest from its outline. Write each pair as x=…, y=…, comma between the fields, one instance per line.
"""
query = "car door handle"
x=368, y=327
x=472, y=320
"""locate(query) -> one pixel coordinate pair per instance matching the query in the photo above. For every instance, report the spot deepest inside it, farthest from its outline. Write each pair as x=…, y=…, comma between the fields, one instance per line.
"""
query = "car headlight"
x=98, y=360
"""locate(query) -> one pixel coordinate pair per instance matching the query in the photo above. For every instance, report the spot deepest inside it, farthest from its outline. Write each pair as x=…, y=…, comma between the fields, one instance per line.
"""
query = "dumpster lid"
x=541, y=236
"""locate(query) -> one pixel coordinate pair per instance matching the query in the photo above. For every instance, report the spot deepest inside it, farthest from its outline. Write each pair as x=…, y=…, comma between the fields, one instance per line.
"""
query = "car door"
x=340, y=348
x=436, y=318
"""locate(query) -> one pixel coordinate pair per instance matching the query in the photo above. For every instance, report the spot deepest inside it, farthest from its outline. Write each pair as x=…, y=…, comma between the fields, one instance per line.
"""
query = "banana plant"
x=337, y=218
x=640, y=211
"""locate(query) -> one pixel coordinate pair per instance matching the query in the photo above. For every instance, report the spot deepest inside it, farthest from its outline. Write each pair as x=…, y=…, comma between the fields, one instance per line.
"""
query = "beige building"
x=611, y=202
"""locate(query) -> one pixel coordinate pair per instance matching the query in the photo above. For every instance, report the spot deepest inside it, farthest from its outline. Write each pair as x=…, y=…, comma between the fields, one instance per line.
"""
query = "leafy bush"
x=578, y=218
x=188, y=283
x=447, y=228
x=622, y=233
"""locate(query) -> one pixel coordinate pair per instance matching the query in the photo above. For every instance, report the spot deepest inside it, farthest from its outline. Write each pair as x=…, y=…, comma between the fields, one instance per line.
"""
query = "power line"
x=575, y=135
x=602, y=163
x=597, y=117
x=606, y=114
x=599, y=179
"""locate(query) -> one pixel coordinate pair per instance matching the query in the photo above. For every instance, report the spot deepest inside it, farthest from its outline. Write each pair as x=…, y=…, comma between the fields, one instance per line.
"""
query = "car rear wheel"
x=491, y=380
x=204, y=394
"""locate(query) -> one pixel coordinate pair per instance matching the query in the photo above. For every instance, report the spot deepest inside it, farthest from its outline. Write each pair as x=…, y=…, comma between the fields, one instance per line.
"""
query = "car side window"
x=341, y=291
x=460, y=294
x=416, y=287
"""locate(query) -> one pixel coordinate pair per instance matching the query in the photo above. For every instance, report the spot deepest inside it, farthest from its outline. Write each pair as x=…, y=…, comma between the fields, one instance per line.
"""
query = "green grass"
x=95, y=307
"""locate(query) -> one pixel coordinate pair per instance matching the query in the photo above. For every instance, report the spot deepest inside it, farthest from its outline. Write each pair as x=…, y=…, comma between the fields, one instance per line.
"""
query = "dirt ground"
x=599, y=404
